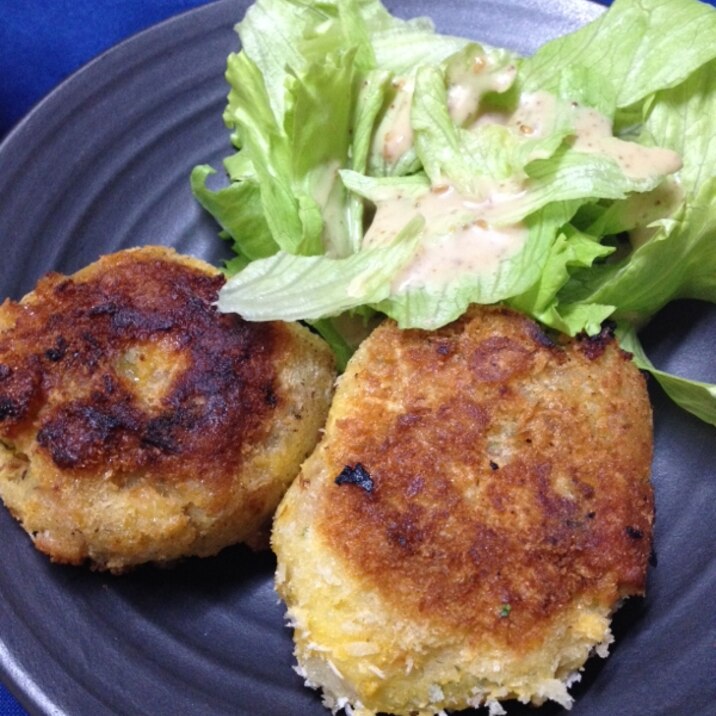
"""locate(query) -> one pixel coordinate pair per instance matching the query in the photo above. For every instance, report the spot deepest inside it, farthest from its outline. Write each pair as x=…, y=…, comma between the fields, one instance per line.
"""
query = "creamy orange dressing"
x=491, y=117
x=593, y=135
x=644, y=209
x=475, y=249
x=539, y=112
x=458, y=236
x=391, y=217
x=394, y=136
x=536, y=115
x=443, y=207
x=461, y=235
x=468, y=84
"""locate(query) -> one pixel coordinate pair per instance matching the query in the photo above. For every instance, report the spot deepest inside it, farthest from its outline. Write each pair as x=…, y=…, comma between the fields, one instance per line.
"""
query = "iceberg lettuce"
x=383, y=167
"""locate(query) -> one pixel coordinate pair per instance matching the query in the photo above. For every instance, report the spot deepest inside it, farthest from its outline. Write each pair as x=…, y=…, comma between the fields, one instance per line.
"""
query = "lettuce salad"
x=383, y=168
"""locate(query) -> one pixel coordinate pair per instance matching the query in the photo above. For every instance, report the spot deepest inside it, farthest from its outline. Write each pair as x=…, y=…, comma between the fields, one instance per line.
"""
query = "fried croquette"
x=139, y=424
x=478, y=507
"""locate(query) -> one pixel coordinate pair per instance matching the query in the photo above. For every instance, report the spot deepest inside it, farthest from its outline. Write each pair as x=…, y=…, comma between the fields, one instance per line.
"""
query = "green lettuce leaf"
x=433, y=306
x=682, y=118
x=679, y=258
x=293, y=217
x=678, y=261
x=695, y=396
x=286, y=23
x=571, y=249
x=290, y=288
x=632, y=51
x=239, y=211
x=367, y=144
x=473, y=161
x=384, y=189
x=369, y=101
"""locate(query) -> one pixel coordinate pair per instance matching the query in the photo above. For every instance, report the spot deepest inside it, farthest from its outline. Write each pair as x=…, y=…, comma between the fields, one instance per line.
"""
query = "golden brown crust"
x=137, y=423
x=61, y=370
x=498, y=469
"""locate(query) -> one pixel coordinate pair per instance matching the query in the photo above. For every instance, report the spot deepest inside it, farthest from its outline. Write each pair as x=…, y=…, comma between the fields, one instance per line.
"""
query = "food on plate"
x=138, y=424
x=474, y=513
x=478, y=507
x=382, y=167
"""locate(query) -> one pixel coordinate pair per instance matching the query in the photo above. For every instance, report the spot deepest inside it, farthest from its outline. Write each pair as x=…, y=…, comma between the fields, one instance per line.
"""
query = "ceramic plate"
x=103, y=164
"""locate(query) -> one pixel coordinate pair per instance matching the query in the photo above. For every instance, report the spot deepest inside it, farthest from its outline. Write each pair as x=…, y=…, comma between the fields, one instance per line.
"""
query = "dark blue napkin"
x=44, y=41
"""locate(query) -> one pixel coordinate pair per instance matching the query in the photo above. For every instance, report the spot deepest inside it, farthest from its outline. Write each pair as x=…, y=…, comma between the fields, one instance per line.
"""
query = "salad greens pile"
x=575, y=185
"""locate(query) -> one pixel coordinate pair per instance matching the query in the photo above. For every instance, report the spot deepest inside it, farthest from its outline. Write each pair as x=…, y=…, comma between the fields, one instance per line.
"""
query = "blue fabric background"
x=44, y=41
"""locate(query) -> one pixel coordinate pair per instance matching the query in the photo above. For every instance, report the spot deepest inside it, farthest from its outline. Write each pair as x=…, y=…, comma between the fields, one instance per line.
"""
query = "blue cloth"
x=8, y=705
x=44, y=41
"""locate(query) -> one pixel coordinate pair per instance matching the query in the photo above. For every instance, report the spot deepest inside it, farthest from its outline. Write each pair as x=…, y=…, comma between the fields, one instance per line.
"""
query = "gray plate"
x=103, y=164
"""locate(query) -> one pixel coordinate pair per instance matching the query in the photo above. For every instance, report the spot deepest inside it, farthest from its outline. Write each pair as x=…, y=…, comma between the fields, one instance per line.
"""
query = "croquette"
x=478, y=507
x=138, y=424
